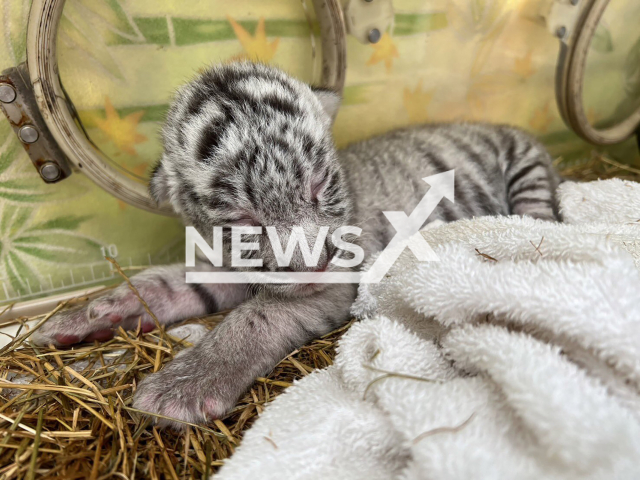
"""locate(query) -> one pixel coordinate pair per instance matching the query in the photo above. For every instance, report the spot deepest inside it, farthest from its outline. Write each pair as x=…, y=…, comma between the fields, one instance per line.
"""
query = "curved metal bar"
x=57, y=111
x=570, y=81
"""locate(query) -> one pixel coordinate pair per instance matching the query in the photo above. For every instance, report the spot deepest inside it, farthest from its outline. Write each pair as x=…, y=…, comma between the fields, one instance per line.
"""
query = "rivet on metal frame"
x=561, y=31
x=367, y=20
x=7, y=93
x=28, y=134
x=18, y=104
x=50, y=172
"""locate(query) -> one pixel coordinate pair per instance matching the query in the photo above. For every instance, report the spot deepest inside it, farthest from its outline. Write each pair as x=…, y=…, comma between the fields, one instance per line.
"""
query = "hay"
x=67, y=413
x=598, y=166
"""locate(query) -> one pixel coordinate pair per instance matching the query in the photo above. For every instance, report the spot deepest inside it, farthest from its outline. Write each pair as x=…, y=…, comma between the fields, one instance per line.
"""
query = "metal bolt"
x=7, y=93
x=561, y=32
x=50, y=172
x=28, y=134
x=374, y=35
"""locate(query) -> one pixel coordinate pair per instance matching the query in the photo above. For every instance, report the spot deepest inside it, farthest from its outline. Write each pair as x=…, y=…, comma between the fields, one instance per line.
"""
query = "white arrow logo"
x=407, y=236
x=408, y=228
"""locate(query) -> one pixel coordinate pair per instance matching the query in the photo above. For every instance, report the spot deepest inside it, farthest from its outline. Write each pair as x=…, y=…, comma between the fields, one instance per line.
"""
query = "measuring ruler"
x=78, y=278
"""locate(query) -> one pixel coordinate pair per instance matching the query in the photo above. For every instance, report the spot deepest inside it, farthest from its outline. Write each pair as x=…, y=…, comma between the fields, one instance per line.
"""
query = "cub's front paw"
x=189, y=389
x=97, y=320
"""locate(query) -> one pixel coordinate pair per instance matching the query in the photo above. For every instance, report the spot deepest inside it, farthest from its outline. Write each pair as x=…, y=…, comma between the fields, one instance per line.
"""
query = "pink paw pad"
x=100, y=335
x=65, y=339
x=113, y=318
x=147, y=327
x=212, y=409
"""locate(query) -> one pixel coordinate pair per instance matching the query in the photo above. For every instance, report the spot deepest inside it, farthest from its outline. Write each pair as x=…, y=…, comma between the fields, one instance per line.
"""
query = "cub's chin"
x=294, y=289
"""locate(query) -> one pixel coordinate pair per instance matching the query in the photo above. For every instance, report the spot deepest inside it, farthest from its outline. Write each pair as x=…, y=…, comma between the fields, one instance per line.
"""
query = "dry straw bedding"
x=71, y=416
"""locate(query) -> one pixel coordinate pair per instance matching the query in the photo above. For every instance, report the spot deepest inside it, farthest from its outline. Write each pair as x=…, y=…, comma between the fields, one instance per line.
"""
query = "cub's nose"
x=322, y=267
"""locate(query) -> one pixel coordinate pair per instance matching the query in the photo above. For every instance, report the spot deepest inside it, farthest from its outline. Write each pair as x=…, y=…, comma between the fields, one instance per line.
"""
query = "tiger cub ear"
x=330, y=101
x=159, y=184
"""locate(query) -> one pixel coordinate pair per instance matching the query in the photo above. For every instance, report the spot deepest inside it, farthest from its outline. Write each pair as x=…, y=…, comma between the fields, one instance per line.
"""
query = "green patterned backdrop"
x=120, y=60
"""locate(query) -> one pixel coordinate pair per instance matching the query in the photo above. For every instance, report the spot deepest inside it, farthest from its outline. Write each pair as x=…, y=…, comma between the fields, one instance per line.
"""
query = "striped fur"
x=247, y=139
x=245, y=144
x=499, y=170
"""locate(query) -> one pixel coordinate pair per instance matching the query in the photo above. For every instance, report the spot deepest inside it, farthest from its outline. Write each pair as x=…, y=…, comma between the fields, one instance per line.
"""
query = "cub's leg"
x=207, y=380
x=164, y=290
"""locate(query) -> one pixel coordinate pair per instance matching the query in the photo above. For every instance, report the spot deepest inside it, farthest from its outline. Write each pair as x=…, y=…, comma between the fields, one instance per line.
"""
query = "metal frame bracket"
x=367, y=20
x=18, y=103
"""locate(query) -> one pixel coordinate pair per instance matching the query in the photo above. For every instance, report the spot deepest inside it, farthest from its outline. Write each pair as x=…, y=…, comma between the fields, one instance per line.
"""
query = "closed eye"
x=319, y=186
x=243, y=221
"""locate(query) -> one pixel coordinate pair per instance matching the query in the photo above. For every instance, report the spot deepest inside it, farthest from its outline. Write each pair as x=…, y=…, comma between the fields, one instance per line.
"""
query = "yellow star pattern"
x=541, y=119
x=384, y=51
x=416, y=102
x=256, y=46
x=121, y=131
x=142, y=169
x=523, y=66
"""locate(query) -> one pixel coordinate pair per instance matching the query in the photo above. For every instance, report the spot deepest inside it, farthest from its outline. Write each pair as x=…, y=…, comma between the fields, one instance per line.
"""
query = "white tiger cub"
x=246, y=144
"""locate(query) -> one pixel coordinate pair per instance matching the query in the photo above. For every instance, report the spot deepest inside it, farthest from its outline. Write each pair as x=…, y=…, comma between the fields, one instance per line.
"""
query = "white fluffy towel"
x=516, y=356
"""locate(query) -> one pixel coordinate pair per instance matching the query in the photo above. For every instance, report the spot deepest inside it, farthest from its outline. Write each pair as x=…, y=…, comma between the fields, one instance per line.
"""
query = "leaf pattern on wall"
x=460, y=60
x=25, y=243
x=602, y=42
x=13, y=23
x=88, y=27
x=471, y=18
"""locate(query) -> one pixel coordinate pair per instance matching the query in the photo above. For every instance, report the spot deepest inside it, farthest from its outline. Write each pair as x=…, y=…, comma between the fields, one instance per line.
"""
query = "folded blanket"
x=517, y=355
